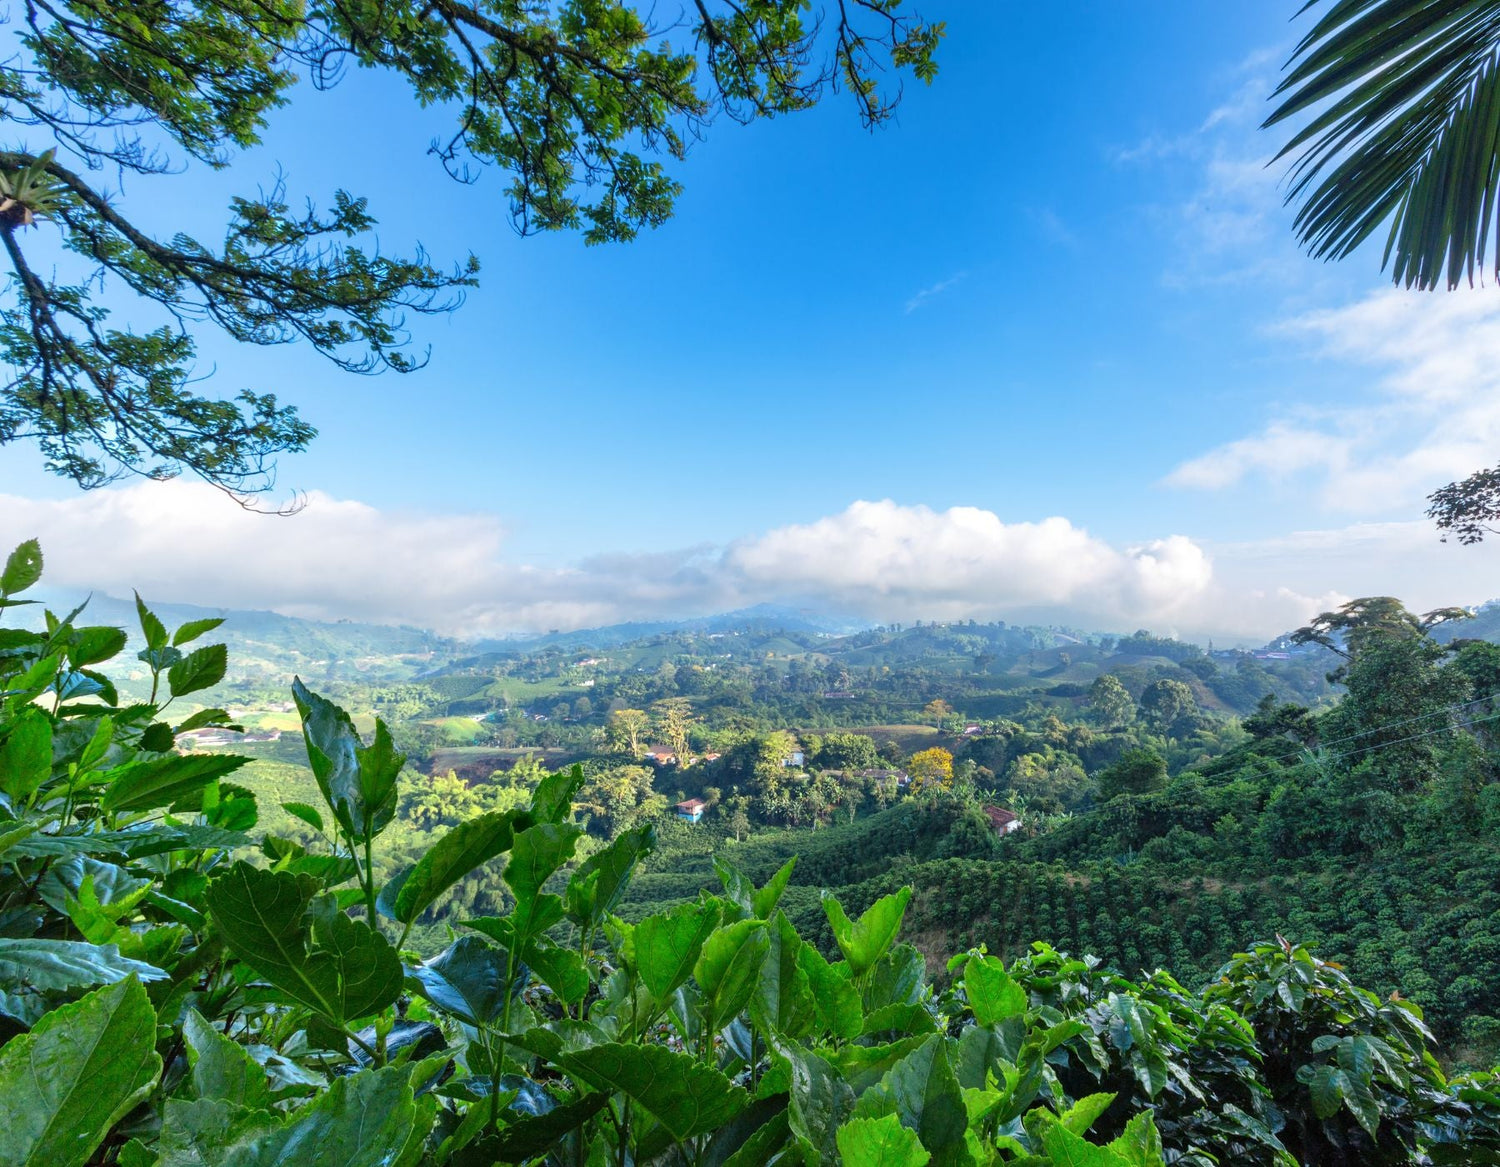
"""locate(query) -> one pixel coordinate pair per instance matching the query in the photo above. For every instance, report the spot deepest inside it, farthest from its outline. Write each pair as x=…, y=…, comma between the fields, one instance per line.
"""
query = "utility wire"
x=1385, y=725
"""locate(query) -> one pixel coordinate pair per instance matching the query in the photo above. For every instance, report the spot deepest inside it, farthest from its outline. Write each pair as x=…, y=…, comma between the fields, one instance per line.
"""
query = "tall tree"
x=1401, y=100
x=675, y=721
x=582, y=102
x=627, y=731
x=1110, y=701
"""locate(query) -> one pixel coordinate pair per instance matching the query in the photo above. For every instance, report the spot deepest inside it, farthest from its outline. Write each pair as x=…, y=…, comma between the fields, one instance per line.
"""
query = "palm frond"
x=1404, y=105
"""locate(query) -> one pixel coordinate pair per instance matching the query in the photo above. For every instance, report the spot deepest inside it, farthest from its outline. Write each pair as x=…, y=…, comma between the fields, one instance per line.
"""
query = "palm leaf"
x=1403, y=99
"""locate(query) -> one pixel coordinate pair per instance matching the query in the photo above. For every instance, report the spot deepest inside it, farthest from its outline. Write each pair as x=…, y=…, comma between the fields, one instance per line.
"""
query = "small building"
x=1001, y=820
x=795, y=758
x=973, y=730
x=691, y=810
x=661, y=755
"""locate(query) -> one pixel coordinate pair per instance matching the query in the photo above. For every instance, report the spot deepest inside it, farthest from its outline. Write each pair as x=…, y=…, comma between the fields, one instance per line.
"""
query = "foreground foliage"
x=175, y=990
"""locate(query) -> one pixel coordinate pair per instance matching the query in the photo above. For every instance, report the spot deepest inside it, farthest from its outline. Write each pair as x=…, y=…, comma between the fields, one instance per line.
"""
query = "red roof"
x=691, y=805
x=1000, y=817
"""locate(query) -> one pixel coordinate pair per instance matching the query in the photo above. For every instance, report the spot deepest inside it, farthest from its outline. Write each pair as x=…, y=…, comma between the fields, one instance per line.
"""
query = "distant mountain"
x=760, y=618
x=269, y=645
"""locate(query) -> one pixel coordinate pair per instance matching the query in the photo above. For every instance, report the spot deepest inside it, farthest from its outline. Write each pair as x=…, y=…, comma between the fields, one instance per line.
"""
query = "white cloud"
x=936, y=289
x=1433, y=414
x=911, y=561
x=180, y=541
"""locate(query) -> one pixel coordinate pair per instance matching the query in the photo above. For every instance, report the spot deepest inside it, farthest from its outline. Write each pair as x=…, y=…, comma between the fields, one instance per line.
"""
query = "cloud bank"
x=180, y=541
x=1433, y=414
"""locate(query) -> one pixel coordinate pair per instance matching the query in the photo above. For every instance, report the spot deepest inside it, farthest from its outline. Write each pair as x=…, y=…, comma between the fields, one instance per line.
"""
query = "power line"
x=1391, y=725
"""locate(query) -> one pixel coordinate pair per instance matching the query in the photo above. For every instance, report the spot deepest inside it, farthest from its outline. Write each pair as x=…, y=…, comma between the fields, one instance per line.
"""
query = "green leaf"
x=26, y=754
x=1139, y=1144
x=783, y=1000
x=221, y=1068
x=154, y=631
x=993, y=996
x=23, y=567
x=217, y=717
x=67, y=964
x=370, y=1119
x=881, y=1142
x=1069, y=1150
x=358, y=783
x=194, y=629
x=601, y=879
x=158, y=782
x=466, y=847
x=821, y=1101
x=339, y=967
x=922, y=1091
x=668, y=944
x=560, y=969
x=728, y=968
x=1326, y=1086
x=530, y=1136
x=553, y=800
x=535, y=854
x=765, y=900
x=737, y=886
x=209, y=1132
x=835, y=999
x=1085, y=1112
x=685, y=1096
x=866, y=941
x=13, y=833
x=92, y=645
x=80, y=1070
x=308, y=814
x=465, y=980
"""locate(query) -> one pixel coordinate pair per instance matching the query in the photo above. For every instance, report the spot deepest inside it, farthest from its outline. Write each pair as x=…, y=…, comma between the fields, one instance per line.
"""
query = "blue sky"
x=1061, y=285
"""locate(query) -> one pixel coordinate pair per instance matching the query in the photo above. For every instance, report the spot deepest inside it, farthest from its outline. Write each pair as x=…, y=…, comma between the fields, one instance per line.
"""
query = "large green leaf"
x=467, y=846
x=202, y=668
x=465, y=980
x=553, y=800
x=1069, y=1150
x=146, y=785
x=193, y=629
x=220, y=1068
x=358, y=782
x=370, y=1119
x=866, y=940
x=764, y=901
x=67, y=964
x=316, y=954
x=1399, y=105
x=685, y=1096
x=1139, y=1144
x=835, y=999
x=728, y=968
x=535, y=854
x=783, y=1000
x=668, y=943
x=993, y=996
x=23, y=567
x=95, y=644
x=529, y=1136
x=881, y=1142
x=601, y=879
x=821, y=1101
x=922, y=1091
x=77, y=1073
x=26, y=754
